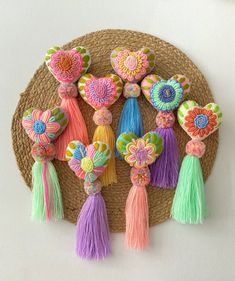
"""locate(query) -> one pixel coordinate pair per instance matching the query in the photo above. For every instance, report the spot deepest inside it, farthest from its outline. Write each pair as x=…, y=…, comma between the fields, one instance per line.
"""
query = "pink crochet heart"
x=100, y=92
x=132, y=66
x=67, y=66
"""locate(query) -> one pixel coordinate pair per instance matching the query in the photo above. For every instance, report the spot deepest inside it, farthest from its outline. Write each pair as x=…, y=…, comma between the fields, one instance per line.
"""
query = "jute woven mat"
x=41, y=92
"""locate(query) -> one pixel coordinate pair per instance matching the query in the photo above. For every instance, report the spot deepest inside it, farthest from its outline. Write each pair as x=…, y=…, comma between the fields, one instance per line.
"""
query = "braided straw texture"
x=42, y=93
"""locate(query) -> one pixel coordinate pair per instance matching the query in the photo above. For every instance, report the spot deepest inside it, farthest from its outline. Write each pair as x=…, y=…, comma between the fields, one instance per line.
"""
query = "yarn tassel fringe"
x=75, y=130
x=164, y=171
x=93, y=237
x=189, y=204
x=137, y=218
x=105, y=134
x=47, y=201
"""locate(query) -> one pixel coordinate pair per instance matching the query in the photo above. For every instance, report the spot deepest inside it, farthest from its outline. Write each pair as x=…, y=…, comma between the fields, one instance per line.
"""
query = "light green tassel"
x=38, y=208
x=189, y=204
x=38, y=203
x=57, y=204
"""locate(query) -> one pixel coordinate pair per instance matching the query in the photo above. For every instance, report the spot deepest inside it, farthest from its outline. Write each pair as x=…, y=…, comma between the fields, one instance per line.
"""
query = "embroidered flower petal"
x=74, y=164
x=36, y=114
x=43, y=138
x=90, y=150
x=132, y=148
x=52, y=127
x=46, y=116
x=27, y=123
x=32, y=135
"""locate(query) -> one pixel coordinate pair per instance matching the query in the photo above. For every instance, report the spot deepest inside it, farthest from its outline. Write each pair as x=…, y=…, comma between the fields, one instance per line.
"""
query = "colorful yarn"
x=44, y=127
x=102, y=117
x=195, y=148
x=132, y=66
x=189, y=204
x=165, y=96
x=131, y=90
x=101, y=93
x=92, y=234
x=89, y=162
x=138, y=153
x=165, y=119
x=67, y=66
x=199, y=122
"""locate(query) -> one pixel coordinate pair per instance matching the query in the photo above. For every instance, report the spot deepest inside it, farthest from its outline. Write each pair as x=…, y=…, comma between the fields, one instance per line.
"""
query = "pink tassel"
x=46, y=189
x=137, y=210
x=76, y=128
x=137, y=221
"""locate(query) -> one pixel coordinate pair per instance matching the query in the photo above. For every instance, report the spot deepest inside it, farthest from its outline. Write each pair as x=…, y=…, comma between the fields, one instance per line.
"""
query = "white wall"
x=203, y=29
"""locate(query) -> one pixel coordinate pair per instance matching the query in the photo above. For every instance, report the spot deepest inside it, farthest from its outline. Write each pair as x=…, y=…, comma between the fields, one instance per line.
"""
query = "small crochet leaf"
x=199, y=122
x=67, y=65
x=165, y=95
x=123, y=140
x=155, y=139
x=100, y=92
x=132, y=66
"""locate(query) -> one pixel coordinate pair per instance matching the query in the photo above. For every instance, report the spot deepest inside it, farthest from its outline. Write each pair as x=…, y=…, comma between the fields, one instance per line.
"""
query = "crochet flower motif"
x=100, y=92
x=89, y=162
x=131, y=66
x=200, y=121
x=166, y=94
x=140, y=153
x=40, y=127
x=66, y=65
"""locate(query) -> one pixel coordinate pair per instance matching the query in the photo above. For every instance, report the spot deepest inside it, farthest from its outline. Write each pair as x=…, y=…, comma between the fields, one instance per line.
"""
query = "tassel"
x=189, y=204
x=139, y=154
x=43, y=128
x=165, y=96
x=76, y=128
x=88, y=163
x=104, y=133
x=67, y=66
x=47, y=201
x=92, y=234
x=130, y=119
x=137, y=213
x=164, y=171
x=101, y=93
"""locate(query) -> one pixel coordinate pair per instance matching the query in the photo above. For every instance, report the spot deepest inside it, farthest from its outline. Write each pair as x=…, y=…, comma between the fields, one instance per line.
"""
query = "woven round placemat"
x=42, y=93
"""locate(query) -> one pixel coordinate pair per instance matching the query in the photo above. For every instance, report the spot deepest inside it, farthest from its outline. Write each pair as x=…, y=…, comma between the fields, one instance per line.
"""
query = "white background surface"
x=204, y=30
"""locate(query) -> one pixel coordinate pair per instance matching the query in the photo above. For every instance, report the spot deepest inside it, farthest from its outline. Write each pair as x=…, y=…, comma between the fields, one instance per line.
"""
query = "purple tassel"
x=92, y=233
x=165, y=170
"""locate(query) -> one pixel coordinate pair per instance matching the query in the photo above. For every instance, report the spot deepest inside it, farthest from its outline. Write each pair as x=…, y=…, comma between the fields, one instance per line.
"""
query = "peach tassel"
x=76, y=128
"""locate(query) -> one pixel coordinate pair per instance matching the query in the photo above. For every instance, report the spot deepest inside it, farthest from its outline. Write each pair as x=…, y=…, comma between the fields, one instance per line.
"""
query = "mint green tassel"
x=38, y=202
x=189, y=204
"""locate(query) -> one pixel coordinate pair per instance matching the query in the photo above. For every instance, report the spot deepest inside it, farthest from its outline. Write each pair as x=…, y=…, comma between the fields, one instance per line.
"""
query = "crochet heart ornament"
x=165, y=95
x=132, y=66
x=67, y=65
x=44, y=126
x=100, y=92
x=140, y=152
x=88, y=162
x=199, y=122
